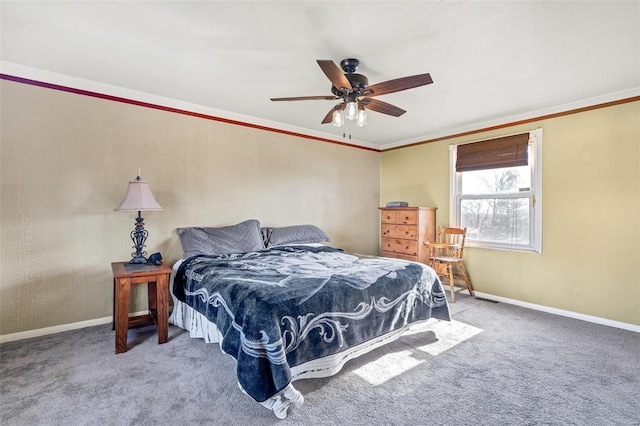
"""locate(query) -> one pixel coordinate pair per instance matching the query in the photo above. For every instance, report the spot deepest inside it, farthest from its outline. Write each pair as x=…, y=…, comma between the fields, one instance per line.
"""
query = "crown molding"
x=617, y=98
x=47, y=79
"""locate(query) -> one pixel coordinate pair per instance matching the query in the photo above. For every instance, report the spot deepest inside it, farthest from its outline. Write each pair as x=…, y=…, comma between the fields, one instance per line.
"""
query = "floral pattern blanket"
x=281, y=307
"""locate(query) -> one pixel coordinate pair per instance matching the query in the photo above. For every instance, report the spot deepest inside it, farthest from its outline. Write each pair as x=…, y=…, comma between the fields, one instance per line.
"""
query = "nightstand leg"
x=113, y=312
x=123, y=289
x=152, y=296
x=162, y=306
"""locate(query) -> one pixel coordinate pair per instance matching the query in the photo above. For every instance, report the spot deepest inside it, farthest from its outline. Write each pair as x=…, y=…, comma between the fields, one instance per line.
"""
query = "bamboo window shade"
x=508, y=151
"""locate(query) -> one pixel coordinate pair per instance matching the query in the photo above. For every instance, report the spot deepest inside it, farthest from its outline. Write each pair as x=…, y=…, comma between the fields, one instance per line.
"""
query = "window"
x=496, y=188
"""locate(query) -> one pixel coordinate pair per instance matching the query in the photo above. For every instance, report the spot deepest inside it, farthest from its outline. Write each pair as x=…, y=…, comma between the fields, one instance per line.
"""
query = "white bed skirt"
x=200, y=327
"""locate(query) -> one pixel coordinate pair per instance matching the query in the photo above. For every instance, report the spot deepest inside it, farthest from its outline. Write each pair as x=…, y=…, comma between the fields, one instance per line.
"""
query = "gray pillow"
x=240, y=238
x=297, y=234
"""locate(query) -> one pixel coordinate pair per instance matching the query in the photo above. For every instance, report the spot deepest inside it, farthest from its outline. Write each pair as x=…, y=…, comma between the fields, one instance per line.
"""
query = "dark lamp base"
x=139, y=236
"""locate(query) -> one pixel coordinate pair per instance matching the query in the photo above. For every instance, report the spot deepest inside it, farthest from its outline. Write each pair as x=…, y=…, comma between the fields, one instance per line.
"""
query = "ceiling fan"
x=356, y=94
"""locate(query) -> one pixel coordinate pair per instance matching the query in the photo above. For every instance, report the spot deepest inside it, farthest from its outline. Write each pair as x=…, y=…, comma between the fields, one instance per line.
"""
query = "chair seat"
x=445, y=259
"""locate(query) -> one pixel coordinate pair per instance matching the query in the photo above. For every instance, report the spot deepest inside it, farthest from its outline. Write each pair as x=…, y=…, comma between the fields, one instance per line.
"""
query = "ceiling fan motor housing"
x=358, y=83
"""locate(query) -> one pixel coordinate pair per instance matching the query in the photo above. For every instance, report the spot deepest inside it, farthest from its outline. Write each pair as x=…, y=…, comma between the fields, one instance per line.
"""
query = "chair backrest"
x=454, y=236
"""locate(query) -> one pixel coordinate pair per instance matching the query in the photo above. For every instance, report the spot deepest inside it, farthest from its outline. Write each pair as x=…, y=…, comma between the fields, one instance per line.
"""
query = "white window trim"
x=536, y=193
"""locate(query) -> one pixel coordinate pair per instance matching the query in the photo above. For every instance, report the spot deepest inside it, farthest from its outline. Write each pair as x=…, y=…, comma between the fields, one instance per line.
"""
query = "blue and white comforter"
x=281, y=307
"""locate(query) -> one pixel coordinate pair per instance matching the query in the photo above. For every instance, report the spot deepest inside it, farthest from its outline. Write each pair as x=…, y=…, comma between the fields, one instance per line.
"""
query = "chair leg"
x=466, y=279
x=452, y=283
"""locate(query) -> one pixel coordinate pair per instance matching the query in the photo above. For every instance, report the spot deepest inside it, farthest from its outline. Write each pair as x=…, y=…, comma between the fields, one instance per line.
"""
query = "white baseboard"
x=106, y=320
x=59, y=328
x=562, y=312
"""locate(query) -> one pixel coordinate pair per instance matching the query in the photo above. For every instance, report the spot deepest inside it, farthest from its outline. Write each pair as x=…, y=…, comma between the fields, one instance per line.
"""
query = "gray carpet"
x=497, y=364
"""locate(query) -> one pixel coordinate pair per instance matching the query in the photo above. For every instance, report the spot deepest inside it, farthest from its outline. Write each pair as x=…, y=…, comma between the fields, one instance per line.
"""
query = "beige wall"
x=65, y=163
x=591, y=213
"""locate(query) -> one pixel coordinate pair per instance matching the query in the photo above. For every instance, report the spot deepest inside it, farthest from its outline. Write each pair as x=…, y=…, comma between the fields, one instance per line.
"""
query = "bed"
x=287, y=307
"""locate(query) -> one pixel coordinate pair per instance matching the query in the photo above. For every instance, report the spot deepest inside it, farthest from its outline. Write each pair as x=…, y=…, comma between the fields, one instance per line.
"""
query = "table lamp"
x=139, y=198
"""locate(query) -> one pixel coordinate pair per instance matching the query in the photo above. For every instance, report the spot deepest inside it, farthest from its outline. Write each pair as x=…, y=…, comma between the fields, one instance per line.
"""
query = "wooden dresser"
x=404, y=230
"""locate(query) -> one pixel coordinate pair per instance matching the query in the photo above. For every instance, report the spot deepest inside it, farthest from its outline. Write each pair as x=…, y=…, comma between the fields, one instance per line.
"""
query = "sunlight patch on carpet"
x=448, y=334
x=387, y=367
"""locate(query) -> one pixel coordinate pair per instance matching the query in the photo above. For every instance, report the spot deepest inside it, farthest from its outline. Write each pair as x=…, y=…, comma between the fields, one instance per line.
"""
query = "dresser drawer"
x=389, y=216
x=409, y=232
x=394, y=245
x=407, y=217
x=399, y=256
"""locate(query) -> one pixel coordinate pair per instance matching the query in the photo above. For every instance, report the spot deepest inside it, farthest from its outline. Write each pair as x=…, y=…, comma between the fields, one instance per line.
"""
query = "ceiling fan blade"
x=307, y=98
x=398, y=85
x=329, y=117
x=383, y=107
x=335, y=75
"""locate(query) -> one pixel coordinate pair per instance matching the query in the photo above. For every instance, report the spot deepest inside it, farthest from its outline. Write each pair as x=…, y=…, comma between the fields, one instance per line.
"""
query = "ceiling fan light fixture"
x=361, y=119
x=338, y=119
x=351, y=111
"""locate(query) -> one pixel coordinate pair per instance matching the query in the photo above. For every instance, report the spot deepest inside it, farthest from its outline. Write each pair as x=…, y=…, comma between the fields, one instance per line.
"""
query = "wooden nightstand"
x=157, y=279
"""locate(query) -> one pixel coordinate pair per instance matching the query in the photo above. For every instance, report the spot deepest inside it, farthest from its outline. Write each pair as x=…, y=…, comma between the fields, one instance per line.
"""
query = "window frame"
x=534, y=195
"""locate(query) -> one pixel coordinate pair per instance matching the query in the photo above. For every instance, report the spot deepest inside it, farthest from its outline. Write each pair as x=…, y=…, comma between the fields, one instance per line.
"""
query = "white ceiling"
x=491, y=61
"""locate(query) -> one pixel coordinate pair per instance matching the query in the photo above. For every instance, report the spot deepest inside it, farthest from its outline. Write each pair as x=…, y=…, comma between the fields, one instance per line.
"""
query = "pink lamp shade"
x=139, y=198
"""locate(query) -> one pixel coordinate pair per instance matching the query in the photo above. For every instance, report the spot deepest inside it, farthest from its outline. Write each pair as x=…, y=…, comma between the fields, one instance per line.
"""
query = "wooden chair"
x=445, y=256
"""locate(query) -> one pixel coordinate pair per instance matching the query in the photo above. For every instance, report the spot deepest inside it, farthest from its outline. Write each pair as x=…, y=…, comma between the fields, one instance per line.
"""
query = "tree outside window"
x=500, y=207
